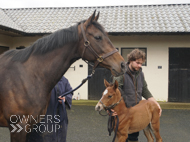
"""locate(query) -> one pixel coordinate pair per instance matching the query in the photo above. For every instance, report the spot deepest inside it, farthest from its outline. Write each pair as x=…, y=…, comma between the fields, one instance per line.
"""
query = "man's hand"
x=113, y=114
x=61, y=98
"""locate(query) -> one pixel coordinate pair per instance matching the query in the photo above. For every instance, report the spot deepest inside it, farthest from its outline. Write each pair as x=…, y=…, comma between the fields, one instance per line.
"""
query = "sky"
x=81, y=3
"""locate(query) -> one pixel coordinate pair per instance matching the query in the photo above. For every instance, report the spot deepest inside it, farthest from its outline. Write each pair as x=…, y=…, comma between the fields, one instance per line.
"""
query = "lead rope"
x=83, y=81
x=111, y=124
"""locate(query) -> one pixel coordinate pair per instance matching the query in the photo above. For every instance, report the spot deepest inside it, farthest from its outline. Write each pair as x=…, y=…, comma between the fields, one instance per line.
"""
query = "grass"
x=85, y=102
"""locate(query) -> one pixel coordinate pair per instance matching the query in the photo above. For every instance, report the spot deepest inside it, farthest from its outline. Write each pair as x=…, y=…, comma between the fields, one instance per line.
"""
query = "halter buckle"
x=86, y=43
x=100, y=59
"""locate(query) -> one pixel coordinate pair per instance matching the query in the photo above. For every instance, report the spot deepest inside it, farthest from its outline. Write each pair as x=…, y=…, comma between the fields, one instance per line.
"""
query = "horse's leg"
x=155, y=126
x=155, y=122
x=18, y=135
x=3, y=121
x=121, y=139
x=148, y=134
x=116, y=139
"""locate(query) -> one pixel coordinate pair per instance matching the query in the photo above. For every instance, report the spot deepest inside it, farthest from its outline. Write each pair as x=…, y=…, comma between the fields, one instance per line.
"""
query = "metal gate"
x=96, y=83
x=179, y=75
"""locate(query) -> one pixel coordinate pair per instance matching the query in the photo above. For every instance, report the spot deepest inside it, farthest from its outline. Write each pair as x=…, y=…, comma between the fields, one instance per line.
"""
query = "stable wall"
x=6, y=41
x=157, y=55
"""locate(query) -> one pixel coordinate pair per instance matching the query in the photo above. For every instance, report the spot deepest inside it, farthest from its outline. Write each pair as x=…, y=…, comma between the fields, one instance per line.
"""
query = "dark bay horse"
x=143, y=116
x=27, y=76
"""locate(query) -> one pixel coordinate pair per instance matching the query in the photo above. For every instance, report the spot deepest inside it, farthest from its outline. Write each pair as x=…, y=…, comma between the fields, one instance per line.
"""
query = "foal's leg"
x=155, y=125
x=116, y=139
x=148, y=134
x=121, y=137
x=155, y=128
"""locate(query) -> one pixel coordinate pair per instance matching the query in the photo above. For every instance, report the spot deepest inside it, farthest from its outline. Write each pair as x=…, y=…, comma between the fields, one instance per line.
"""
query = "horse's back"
x=142, y=113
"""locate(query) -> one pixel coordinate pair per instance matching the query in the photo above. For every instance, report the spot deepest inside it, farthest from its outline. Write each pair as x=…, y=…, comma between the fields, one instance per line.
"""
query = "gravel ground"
x=86, y=125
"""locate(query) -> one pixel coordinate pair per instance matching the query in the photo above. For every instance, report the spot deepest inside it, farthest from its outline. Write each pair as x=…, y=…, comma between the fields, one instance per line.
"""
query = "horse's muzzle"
x=99, y=107
x=122, y=71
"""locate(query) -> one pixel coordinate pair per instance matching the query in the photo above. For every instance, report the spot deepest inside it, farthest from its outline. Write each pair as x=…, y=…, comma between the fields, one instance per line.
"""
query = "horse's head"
x=95, y=46
x=110, y=97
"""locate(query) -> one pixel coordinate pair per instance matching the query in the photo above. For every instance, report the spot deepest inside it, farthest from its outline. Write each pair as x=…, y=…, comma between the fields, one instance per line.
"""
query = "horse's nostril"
x=98, y=107
x=123, y=65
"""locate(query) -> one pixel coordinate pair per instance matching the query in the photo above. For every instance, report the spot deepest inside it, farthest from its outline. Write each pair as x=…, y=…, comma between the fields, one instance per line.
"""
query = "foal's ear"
x=115, y=86
x=90, y=19
x=106, y=83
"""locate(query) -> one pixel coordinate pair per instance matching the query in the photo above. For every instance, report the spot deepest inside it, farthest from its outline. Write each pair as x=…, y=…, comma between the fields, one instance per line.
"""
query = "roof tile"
x=7, y=22
x=140, y=18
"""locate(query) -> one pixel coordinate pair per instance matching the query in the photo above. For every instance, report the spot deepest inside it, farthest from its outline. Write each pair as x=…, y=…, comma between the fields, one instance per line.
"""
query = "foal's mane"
x=48, y=43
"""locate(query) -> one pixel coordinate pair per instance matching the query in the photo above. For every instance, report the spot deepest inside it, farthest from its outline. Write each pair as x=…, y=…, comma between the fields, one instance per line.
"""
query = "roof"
x=7, y=21
x=115, y=19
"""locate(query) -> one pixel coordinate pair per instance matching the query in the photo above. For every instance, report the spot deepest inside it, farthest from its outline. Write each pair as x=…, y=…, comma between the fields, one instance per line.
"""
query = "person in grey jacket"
x=133, y=85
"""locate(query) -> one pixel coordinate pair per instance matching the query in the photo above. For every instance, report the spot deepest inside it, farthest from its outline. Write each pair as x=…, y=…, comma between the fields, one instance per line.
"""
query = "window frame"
x=145, y=48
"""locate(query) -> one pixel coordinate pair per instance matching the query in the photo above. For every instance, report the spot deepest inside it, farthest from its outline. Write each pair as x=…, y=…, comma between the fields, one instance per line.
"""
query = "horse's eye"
x=98, y=37
x=109, y=96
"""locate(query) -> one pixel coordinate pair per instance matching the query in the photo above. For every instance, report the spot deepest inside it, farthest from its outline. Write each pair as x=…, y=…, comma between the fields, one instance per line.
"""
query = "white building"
x=162, y=31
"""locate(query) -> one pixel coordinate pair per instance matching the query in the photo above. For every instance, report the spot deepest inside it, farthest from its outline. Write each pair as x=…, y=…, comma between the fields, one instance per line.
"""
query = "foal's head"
x=97, y=44
x=110, y=97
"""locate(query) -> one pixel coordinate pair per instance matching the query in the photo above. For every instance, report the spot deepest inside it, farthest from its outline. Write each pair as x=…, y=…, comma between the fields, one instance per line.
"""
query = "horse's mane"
x=48, y=43
x=45, y=44
x=97, y=25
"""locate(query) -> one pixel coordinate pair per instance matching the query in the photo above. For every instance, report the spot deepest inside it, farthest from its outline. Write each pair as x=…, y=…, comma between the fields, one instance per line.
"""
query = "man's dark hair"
x=136, y=54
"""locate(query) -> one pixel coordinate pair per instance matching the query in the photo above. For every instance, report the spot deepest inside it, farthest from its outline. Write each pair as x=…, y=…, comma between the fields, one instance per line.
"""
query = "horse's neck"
x=50, y=67
x=121, y=108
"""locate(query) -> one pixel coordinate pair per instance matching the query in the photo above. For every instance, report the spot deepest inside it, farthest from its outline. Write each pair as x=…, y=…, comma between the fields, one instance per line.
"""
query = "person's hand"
x=61, y=98
x=152, y=99
x=113, y=114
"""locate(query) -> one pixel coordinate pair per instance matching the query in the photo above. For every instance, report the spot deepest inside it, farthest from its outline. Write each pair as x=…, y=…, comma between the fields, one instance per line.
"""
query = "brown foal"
x=143, y=116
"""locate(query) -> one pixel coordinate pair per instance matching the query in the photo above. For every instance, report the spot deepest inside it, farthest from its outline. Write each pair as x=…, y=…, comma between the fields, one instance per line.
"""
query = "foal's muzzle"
x=99, y=107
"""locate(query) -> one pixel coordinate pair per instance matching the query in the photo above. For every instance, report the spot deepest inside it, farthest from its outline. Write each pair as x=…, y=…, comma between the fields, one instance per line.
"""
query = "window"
x=125, y=51
x=3, y=49
x=20, y=47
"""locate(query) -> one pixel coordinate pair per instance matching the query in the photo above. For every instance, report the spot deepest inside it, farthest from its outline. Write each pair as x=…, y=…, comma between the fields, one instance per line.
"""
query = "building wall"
x=76, y=76
x=157, y=55
x=6, y=41
x=24, y=41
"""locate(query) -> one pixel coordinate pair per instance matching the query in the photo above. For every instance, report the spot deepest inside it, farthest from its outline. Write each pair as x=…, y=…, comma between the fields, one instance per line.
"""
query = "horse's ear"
x=90, y=19
x=115, y=85
x=96, y=18
x=106, y=83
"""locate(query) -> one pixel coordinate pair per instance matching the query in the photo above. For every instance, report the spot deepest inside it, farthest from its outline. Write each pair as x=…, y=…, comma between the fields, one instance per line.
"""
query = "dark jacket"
x=53, y=128
x=134, y=86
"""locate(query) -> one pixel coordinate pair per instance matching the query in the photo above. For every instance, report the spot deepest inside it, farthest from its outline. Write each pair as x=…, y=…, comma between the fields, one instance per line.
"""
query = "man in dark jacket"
x=134, y=85
x=53, y=128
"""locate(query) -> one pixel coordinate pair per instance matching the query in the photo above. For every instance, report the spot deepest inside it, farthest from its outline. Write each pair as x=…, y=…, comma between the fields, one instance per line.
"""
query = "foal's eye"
x=109, y=96
x=98, y=37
